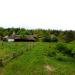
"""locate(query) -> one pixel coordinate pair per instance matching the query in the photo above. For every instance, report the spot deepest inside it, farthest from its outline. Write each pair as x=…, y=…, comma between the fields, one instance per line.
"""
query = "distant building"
x=12, y=37
x=17, y=38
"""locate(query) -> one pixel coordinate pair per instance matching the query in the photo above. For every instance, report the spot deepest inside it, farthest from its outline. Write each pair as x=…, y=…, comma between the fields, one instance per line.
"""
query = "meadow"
x=36, y=59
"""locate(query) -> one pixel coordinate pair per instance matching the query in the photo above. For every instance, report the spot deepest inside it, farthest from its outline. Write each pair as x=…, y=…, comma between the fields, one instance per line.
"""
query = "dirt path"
x=49, y=69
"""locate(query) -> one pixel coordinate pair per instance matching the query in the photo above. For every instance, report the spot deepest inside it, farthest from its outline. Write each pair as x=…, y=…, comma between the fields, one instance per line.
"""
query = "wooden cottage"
x=26, y=38
x=17, y=38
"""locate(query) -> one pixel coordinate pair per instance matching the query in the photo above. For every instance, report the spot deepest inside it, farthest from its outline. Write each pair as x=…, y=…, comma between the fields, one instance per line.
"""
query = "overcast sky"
x=46, y=14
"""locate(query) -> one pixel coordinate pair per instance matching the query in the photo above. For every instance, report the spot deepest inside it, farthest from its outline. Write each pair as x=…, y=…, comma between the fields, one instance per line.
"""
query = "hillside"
x=35, y=59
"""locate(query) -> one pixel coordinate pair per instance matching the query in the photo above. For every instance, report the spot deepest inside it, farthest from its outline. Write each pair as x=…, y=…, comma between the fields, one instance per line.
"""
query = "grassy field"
x=34, y=60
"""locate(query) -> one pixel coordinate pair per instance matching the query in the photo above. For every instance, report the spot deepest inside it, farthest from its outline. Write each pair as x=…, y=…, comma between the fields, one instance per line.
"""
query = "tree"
x=46, y=39
x=53, y=38
x=69, y=36
x=1, y=31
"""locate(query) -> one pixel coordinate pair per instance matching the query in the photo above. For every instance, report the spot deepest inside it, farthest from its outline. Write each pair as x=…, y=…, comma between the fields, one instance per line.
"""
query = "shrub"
x=51, y=54
x=73, y=53
x=53, y=38
x=61, y=47
x=69, y=36
x=62, y=58
x=46, y=39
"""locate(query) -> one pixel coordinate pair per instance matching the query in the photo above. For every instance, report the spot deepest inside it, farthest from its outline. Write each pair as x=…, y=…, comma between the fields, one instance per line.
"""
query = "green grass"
x=35, y=60
x=7, y=47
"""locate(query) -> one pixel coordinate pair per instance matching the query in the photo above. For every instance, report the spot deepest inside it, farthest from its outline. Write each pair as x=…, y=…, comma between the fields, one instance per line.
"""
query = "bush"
x=61, y=47
x=53, y=38
x=62, y=58
x=73, y=53
x=69, y=36
x=46, y=39
x=51, y=54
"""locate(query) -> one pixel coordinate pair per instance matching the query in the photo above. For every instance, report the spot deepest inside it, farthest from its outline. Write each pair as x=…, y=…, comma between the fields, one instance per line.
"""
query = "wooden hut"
x=17, y=38
x=27, y=38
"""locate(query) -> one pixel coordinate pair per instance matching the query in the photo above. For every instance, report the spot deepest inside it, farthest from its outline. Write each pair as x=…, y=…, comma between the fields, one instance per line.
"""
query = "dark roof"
x=18, y=37
x=14, y=37
x=26, y=37
x=29, y=37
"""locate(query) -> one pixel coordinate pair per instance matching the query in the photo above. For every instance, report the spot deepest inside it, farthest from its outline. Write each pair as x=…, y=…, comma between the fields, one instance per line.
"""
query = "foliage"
x=33, y=61
x=45, y=35
x=62, y=47
x=46, y=39
x=53, y=38
x=69, y=36
x=51, y=53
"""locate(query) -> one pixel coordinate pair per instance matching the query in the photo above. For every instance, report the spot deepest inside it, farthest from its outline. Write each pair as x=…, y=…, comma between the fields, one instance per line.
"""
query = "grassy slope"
x=33, y=61
x=7, y=48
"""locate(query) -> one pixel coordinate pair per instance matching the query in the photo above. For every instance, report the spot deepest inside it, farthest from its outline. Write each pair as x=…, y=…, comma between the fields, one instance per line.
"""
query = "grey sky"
x=52, y=14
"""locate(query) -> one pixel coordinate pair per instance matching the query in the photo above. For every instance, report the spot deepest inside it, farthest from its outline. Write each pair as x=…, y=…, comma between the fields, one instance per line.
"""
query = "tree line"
x=42, y=34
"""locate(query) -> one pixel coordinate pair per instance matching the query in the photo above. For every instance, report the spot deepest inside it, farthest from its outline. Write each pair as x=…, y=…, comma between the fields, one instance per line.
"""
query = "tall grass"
x=35, y=58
